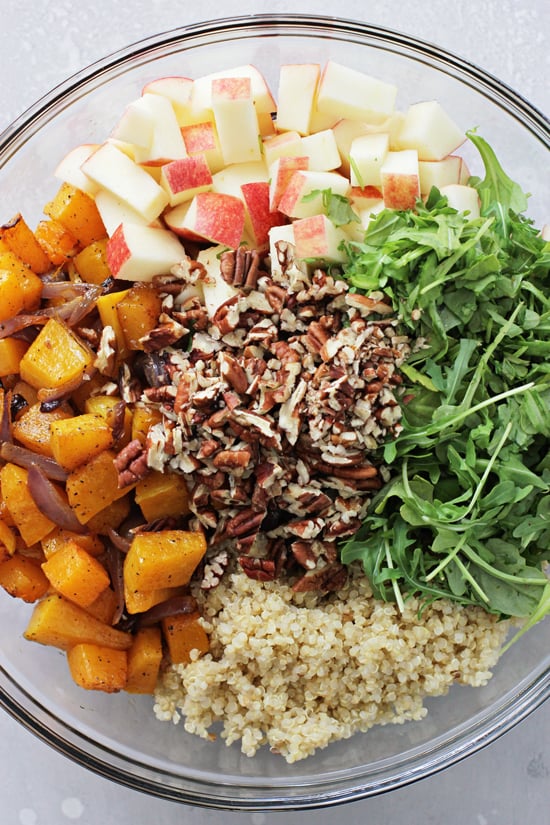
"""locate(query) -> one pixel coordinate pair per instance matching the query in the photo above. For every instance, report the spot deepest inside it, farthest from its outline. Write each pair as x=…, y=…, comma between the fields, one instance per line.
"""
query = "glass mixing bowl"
x=118, y=736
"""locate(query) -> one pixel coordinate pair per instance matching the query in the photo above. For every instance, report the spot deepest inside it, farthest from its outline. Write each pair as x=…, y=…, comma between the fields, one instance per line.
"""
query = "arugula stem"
x=447, y=560
x=468, y=576
x=395, y=586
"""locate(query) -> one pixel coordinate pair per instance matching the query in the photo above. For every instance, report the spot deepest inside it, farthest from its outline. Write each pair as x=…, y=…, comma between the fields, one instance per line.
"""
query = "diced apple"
x=201, y=96
x=280, y=173
x=364, y=197
x=297, y=90
x=439, y=172
x=462, y=198
x=184, y=178
x=166, y=141
x=545, y=232
x=135, y=125
x=345, y=132
x=465, y=173
x=177, y=90
x=216, y=291
x=236, y=119
x=322, y=151
x=259, y=218
x=299, y=199
x=366, y=156
x=116, y=172
x=285, y=144
x=317, y=237
x=348, y=93
x=230, y=179
x=400, y=179
x=429, y=129
x=210, y=216
x=366, y=210
x=138, y=253
x=115, y=211
x=202, y=139
x=69, y=168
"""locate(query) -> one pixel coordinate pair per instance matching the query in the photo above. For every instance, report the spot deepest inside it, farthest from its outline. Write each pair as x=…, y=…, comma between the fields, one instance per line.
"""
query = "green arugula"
x=336, y=207
x=466, y=514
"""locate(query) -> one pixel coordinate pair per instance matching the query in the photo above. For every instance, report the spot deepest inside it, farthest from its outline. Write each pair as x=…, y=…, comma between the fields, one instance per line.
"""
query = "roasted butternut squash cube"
x=20, y=238
x=184, y=634
x=91, y=263
x=32, y=428
x=138, y=601
x=104, y=607
x=106, y=407
x=166, y=558
x=143, y=418
x=162, y=495
x=111, y=516
x=32, y=524
x=57, y=622
x=75, y=574
x=138, y=313
x=8, y=541
x=23, y=578
x=94, y=486
x=12, y=351
x=94, y=667
x=78, y=213
x=107, y=308
x=144, y=660
x=55, y=357
x=58, y=243
x=89, y=542
x=78, y=439
x=25, y=289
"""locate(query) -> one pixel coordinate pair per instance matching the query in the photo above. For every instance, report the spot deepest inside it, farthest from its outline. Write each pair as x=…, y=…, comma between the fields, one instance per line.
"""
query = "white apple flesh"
x=138, y=253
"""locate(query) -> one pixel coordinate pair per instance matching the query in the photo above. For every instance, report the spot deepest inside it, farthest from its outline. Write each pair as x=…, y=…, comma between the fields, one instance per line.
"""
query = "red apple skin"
x=310, y=237
x=400, y=191
x=117, y=251
x=287, y=167
x=262, y=218
x=187, y=173
x=199, y=137
x=218, y=218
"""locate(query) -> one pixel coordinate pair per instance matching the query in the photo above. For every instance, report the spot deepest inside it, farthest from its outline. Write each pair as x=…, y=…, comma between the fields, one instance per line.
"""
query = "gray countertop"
x=507, y=783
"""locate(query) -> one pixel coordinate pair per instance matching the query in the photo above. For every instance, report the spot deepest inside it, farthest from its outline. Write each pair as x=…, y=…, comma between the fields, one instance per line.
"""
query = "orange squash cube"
x=58, y=243
x=107, y=308
x=32, y=524
x=161, y=495
x=32, y=428
x=89, y=542
x=105, y=407
x=111, y=516
x=166, y=558
x=104, y=607
x=138, y=601
x=94, y=486
x=23, y=290
x=8, y=540
x=22, y=578
x=78, y=439
x=183, y=634
x=75, y=574
x=143, y=418
x=91, y=263
x=77, y=213
x=55, y=357
x=12, y=351
x=20, y=238
x=94, y=667
x=144, y=660
x=57, y=622
x=138, y=313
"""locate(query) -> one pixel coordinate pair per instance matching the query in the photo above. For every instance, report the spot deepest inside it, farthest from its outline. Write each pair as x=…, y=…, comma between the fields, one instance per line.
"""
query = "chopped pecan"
x=327, y=579
x=259, y=569
x=131, y=463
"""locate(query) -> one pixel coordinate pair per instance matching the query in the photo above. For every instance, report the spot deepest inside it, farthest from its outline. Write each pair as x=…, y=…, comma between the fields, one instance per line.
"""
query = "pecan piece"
x=259, y=569
x=131, y=463
x=326, y=579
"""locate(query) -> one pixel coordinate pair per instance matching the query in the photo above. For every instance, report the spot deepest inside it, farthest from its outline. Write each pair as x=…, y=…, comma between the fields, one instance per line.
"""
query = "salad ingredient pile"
x=274, y=430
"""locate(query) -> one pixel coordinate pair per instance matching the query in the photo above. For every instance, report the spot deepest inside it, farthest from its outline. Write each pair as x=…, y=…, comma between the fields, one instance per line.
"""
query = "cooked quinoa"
x=297, y=671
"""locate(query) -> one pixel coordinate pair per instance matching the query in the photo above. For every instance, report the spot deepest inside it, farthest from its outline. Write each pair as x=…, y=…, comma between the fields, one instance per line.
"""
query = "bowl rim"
x=467, y=738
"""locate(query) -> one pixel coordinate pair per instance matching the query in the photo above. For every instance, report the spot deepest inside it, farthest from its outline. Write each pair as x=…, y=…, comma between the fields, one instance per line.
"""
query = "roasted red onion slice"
x=175, y=606
x=49, y=501
x=115, y=560
x=26, y=458
x=5, y=423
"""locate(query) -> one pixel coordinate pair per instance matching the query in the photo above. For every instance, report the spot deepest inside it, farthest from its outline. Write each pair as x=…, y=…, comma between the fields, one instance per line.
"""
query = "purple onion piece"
x=49, y=501
x=26, y=458
x=174, y=606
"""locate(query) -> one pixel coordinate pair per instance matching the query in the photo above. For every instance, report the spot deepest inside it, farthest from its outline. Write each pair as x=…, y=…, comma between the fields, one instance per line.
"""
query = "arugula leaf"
x=336, y=207
x=466, y=513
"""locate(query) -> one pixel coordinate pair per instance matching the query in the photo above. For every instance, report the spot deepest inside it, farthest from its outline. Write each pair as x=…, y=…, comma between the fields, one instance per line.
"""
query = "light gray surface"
x=508, y=783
